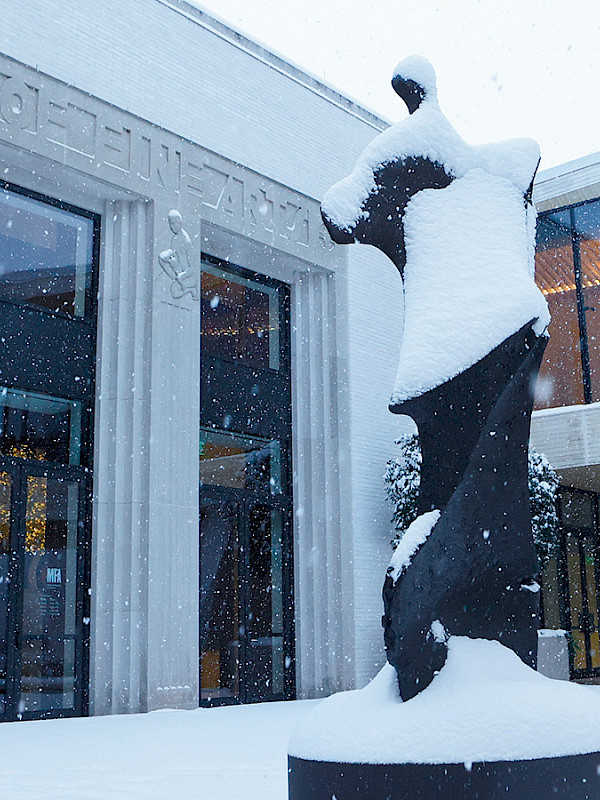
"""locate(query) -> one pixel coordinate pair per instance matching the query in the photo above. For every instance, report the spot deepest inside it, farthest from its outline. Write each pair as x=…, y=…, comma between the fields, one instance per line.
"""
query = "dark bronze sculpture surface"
x=475, y=575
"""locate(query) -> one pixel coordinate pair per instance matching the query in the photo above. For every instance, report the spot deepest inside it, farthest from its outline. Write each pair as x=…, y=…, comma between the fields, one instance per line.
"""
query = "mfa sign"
x=46, y=117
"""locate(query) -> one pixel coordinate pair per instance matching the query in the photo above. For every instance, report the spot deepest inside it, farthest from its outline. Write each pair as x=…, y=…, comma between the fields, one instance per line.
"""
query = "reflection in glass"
x=5, y=498
x=45, y=254
x=589, y=562
x=587, y=226
x=577, y=509
x=219, y=600
x=576, y=609
x=239, y=462
x=560, y=380
x=49, y=609
x=39, y=427
x=265, y=588
x=239, y=319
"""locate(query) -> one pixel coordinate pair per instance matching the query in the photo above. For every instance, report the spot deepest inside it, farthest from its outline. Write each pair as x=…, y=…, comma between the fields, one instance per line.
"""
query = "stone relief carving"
x=177, y=262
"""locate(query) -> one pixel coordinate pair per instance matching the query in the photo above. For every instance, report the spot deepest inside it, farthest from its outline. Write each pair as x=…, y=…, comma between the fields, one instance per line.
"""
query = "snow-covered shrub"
x=543, y=485
x=402, y=478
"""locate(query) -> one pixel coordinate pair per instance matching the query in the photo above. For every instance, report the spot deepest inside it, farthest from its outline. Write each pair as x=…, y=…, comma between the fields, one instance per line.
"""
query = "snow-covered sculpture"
x=458, y=223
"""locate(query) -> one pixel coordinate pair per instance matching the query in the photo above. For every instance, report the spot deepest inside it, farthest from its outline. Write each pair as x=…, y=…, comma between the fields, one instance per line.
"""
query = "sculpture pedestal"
x=486, y=727
x=564, y=778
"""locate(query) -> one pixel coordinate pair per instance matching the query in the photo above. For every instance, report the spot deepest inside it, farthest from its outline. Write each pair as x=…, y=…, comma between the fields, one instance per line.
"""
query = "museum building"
x=194, y=380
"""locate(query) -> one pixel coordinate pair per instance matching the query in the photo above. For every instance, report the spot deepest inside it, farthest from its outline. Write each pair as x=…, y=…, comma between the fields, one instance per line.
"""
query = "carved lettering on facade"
x=293, y=222
x=115, y=147
x=325, y=239
x=194, y=178
x=83, y=124
x=144, y=157
x=71, y=126
x=261, y=209
x=223, y=192
x=56, y=122
x=168, y=167
x=213, y=184
x=109, y=138
x=18, y=104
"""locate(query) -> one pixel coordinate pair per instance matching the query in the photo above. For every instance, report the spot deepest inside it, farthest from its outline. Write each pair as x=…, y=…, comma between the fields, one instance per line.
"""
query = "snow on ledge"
x=551, y=633
x=484, y=705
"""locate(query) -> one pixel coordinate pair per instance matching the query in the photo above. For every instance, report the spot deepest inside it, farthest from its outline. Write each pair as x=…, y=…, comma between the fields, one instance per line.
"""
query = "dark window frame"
x=579, y=290
x=82, y=473
x=91, y=303
x=246, y=497
x=578, y=532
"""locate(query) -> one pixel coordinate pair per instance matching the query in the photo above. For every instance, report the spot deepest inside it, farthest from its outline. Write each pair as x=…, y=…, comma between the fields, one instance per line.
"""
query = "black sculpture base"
x=563, y=778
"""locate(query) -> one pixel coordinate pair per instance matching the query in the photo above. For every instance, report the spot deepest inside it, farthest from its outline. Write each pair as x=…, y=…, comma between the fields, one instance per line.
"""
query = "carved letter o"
x=16, y=102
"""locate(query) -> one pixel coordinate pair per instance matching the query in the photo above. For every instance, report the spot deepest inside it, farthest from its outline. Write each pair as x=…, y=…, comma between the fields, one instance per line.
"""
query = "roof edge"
x=261, y=52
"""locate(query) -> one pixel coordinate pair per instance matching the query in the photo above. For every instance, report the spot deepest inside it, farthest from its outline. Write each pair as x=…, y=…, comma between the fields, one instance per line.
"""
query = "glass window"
x=45, y=254
x=577, y=509
x=240, y=319
x=49, y=607
x=561, y=380
x=239, y=462
x=220, y=600
x=39, y=427
x=265, y=600
x=587, y=225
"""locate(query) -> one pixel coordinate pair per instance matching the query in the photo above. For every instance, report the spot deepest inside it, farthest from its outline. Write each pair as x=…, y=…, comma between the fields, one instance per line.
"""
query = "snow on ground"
x=240, y=751
x=204, y=754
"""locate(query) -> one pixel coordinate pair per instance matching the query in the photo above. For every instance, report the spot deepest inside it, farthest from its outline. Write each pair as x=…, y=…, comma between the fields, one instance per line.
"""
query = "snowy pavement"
x=204, y=754
x=232, y=753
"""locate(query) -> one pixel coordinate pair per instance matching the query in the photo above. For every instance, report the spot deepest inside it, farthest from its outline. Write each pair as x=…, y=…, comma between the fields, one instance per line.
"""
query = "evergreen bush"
x=402, y=477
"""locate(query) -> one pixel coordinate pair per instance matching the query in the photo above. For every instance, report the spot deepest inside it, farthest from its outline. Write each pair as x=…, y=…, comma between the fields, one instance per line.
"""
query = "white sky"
x=506, y=68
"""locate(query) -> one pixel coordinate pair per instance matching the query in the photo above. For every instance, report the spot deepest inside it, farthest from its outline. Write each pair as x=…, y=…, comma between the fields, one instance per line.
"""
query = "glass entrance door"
x=246, y=586
x=580, y=580
x=245, y=602
x=41, y=602
x=580, y=551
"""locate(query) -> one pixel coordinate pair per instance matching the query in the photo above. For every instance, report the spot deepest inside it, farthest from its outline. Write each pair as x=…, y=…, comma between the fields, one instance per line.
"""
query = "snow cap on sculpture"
x=458, y=223
x=414, y=81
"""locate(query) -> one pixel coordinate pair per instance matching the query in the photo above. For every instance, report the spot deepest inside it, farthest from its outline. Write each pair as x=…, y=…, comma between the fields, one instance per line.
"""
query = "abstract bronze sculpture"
x=475, y=572
x=460, y=597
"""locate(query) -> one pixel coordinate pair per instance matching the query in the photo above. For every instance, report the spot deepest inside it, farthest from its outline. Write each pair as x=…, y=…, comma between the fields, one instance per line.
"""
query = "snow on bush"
x=403, y=475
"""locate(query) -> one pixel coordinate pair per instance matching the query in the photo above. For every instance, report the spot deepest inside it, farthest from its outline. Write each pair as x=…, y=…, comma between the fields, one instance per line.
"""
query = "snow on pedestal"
x=484, y=705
